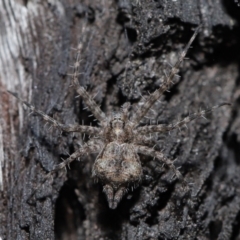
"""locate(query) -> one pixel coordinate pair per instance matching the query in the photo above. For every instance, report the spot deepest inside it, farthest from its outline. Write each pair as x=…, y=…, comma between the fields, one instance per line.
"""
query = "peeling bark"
x=126, y=47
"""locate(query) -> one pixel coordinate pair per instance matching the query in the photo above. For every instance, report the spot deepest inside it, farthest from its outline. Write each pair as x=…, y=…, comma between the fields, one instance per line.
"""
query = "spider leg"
x=152, y=98
x=86, y=149
x=140, y=139
x=66, y=128
x=91, y=104
x=166, y=128
x=160, y=156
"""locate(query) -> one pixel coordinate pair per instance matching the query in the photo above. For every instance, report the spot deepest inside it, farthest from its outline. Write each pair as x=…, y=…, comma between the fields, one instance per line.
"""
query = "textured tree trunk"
x=126, y=46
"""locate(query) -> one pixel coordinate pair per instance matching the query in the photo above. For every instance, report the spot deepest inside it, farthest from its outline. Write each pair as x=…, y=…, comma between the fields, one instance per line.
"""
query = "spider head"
x=117, y=122
x=117, y=130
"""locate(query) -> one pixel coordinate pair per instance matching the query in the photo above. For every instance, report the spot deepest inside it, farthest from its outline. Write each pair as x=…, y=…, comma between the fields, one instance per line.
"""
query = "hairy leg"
x=160, y=156
x=152, y=98
x=88, y=148
x=84, y=150
x=66, y=128
x=140, y=139
x=91, y=104
x=166, y=128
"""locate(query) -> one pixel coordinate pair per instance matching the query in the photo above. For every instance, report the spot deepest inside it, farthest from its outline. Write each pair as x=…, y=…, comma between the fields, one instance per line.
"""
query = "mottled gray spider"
x=118, y=165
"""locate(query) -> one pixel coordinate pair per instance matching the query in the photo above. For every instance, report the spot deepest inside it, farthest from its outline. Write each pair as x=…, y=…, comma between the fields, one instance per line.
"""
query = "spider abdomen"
x=118, y=165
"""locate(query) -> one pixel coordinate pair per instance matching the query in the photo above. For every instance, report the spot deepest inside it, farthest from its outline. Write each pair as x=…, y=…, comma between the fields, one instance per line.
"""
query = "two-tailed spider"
x=120, y=138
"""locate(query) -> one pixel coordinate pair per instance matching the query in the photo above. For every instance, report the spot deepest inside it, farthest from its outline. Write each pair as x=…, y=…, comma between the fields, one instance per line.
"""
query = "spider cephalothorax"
x=118, y=128
x=119, y=139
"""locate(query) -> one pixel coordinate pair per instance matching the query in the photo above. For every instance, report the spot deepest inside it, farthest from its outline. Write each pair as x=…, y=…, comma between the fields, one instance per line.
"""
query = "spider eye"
x=111, y=163
x=118, y=123
x=125, y=164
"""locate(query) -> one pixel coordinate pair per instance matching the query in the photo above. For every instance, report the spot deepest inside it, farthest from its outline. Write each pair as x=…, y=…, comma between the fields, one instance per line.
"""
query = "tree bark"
x=126, y=47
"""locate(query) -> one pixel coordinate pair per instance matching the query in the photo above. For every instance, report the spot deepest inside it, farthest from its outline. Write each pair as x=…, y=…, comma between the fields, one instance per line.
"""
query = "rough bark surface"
x=126, y=47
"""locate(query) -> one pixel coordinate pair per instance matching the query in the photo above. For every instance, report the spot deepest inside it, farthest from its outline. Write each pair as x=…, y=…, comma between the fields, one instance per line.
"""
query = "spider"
x=120, y=138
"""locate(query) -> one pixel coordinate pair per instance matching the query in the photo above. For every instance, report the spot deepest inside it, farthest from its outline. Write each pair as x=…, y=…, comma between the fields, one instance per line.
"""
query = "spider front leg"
x=152, y=98
x=66, y=128
x=166, y=128
x=160, y=156
x=91, y=104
